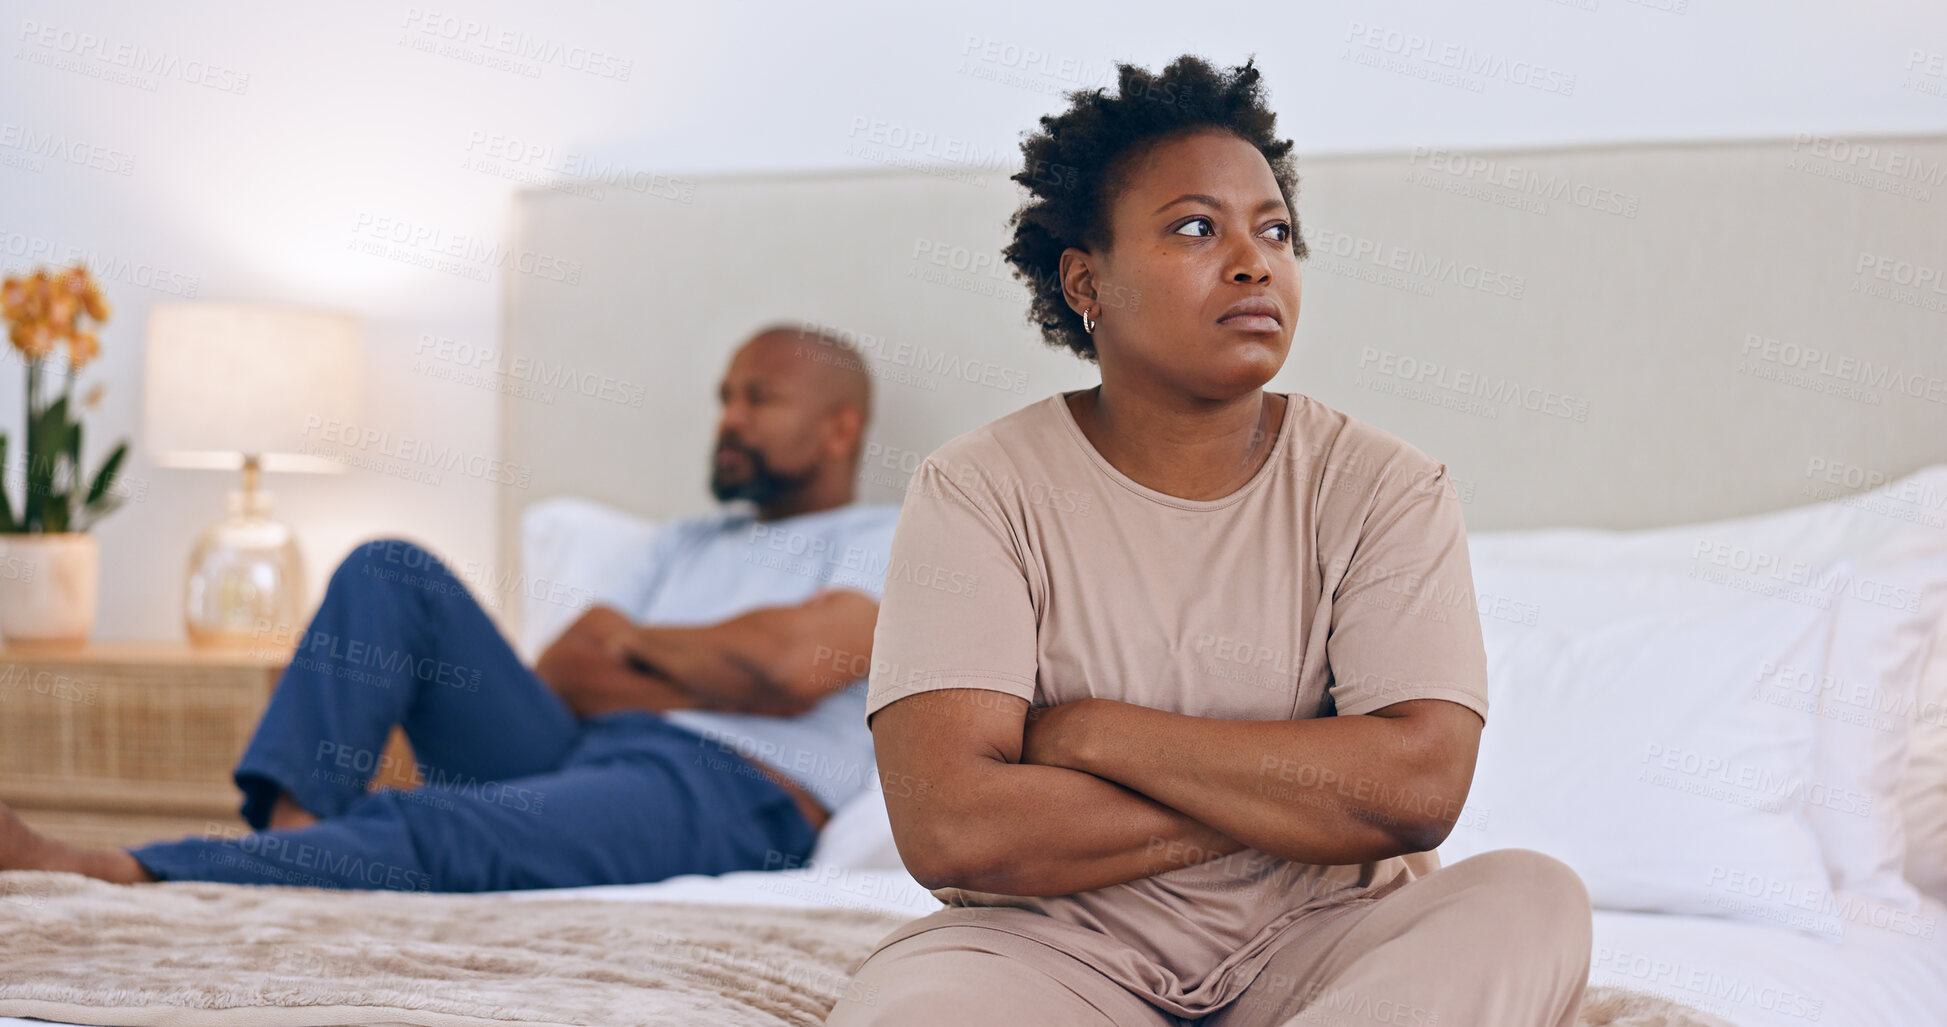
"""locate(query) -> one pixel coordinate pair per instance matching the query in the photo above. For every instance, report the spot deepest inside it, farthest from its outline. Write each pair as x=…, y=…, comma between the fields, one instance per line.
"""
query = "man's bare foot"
x=285, y=814
x=23, y=848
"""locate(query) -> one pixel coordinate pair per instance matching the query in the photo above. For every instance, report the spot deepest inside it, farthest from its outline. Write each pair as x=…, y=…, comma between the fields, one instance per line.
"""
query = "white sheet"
x=1750, y=974
x=1759, y=976
x=1753, y=975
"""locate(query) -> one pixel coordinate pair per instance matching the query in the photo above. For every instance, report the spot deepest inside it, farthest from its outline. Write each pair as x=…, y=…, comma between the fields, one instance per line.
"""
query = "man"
x=714, y=731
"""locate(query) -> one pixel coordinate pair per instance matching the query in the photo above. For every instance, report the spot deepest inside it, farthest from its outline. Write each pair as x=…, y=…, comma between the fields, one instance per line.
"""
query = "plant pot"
x=49, y=587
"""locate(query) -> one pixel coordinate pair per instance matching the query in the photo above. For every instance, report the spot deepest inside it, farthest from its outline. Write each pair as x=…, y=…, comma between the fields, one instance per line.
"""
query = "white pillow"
x=1634, y=751
x=1923, y=795
x=1885, y=620
x=858, y=836
x=1897, y=521
x=1885, y=527
x=574, y=551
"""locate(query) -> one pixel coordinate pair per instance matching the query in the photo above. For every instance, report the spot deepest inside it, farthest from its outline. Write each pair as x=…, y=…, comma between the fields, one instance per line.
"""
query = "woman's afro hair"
x=1073, y=166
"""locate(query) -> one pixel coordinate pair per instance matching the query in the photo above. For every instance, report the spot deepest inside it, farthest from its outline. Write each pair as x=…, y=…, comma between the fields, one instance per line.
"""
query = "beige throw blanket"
x=191, y=954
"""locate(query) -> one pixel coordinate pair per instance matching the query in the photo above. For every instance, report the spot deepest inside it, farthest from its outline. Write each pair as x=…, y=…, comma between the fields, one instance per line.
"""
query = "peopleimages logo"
x=40, y=145
x=452, y=252
x=1838, y=369
x=1465, y=382
x=1411, y=48
x=1901, y=272
x=352, y=439
x=1490, y=171
x=1902, y=281
x=435, y=28
x=107, y=267
x=532, y=161
x=1413, y=263
x=1868, y=164
x=97, y=56
x=927, y=359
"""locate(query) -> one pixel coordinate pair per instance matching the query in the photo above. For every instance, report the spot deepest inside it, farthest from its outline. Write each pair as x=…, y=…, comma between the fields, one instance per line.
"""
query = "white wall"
x=249, y=149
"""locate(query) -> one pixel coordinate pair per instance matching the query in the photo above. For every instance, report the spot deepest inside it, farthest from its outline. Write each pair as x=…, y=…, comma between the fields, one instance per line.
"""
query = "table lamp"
x=245, y=386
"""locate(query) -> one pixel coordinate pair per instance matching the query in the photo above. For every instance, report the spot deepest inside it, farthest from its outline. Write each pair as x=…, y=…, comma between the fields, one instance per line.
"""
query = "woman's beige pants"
x=1500, y=939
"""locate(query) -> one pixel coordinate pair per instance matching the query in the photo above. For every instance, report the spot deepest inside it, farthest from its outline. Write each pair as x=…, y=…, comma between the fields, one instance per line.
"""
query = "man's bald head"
x=829, y=366
x=795, y=405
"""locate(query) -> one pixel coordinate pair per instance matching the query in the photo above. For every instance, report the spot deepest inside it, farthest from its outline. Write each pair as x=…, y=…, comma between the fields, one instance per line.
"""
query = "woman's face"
x=1198, y=225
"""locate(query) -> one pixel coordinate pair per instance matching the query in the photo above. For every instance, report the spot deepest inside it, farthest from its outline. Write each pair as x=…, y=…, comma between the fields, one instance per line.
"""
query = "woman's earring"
x=1088, y=320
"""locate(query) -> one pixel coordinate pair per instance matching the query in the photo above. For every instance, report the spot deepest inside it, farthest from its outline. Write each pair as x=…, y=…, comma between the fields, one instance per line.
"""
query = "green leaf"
x=55, y=517
x=104, y=478
x=70, y=480
x=56, y=441
x=6, y=508
x=46, y=435
x=95, y=512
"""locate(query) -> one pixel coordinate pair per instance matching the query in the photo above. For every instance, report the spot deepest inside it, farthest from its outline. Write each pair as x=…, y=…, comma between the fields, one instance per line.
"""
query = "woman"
x=1177, y=681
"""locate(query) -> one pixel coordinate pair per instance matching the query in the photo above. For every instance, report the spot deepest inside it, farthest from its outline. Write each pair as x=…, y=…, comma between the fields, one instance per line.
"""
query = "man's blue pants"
x=517, y=793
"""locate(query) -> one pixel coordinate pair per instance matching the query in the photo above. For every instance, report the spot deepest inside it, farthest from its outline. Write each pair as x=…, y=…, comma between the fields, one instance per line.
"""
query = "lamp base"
x=246, y=580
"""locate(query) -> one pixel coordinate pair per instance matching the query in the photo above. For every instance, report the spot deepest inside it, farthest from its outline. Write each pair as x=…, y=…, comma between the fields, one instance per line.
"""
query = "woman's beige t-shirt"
x=1336, y=581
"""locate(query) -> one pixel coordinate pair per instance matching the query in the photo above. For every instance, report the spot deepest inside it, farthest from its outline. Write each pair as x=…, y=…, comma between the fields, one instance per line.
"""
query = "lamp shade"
x=222, y=380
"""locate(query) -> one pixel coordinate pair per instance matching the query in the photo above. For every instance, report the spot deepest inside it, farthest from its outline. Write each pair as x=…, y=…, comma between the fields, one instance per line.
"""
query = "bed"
x=1748, y=975
x=1620, y=351
x=1632, y=358
x=1887, y=962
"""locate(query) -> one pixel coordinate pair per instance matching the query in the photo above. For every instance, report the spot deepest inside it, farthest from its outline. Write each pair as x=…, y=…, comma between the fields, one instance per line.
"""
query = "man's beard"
x=760, y=484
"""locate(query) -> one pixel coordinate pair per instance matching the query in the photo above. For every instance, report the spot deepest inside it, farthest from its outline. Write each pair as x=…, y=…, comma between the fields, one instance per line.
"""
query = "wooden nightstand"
x=117, y=744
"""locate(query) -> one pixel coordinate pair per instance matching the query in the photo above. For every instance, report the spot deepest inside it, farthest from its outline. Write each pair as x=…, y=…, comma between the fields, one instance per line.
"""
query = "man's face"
x=767, y=437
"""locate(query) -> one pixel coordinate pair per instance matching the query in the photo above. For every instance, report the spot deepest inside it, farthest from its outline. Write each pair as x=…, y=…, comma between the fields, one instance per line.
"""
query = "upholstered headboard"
x=1609, y=336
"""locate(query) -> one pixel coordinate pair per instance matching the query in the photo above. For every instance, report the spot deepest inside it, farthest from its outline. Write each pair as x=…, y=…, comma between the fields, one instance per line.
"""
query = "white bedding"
x=1760, y=976
x=1749, y=974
